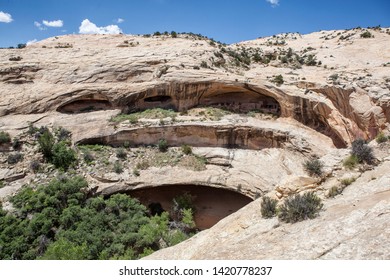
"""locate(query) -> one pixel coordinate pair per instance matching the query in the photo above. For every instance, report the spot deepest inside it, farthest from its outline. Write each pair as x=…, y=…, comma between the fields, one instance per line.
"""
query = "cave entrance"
x=211, y=204
x=85, y=106
x=242, y=102
x=158, y=99
x=151, y=102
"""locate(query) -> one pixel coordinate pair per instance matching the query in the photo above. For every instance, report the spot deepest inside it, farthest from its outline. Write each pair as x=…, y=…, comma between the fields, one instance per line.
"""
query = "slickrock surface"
x=253, y=113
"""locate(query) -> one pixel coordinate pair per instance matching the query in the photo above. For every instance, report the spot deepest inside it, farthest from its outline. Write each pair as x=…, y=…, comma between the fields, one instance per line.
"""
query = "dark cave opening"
x=211, y=204
x=85, y=106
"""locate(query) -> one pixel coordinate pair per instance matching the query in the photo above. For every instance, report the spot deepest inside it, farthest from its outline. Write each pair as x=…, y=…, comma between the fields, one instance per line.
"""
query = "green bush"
x=63, y=249
x=366, y=34
x=62, y=134
x=162, y=145
x=181, y=202
x=278, y=80
x=381, y=138
x=16, y=144
x=35, y=166
x=314, y=167
x=121, y=153
x=347, y=181
x=4, y=137
x=300, y=207
x=351, y=161
x=14, y=158
x=186, y=149
x=88, y=157
x=63, y=156
x=136, y=172
x=334, y=191
x=268, y=207
x=60, y=221
x=126, y=144
x=46, y=142
x=362, y=151
x=118, y=168
x=203, y=64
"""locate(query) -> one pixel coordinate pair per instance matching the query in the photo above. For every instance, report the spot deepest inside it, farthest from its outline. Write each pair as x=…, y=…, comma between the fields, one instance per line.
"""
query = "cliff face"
x=78, y=73
x=253, y=112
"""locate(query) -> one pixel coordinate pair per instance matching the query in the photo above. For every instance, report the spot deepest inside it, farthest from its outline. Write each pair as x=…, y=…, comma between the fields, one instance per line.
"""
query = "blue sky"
x=228, y=21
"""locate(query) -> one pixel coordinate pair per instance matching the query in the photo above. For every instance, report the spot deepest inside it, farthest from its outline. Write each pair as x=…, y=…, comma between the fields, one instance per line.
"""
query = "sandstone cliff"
x=253, y=112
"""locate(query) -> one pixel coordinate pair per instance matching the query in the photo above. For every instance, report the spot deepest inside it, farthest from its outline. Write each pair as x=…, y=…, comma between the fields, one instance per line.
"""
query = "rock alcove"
x=211, y=204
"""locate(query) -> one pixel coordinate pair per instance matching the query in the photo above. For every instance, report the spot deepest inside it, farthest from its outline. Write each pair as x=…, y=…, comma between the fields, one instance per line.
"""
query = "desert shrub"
x=63, y=249
x=35, y=166
x=4, y=137
x=311, y=60
x=46, y=142
x=174, y=34
x=351, y=161
x=121, y=153
x=186, y=149
x=143, y=165
x=314, y=167
x=88, y=157
x=381, y=138
x=63, y=156
x=362, y=151
x=366, y=34
x=333, y=191
x=203, y=64
x=16, y=144
x=15, y=58
x=347, y=181
x=300, y=207
x=268, y=207
x=14, y=158
x=126, y=144
x=62, y=134
x=118, y=168
x=162, y=145
x=65, y=223
x=188, y=218
x=334, y=77
x=1, y=186
x=278, y=80
x=184, y=201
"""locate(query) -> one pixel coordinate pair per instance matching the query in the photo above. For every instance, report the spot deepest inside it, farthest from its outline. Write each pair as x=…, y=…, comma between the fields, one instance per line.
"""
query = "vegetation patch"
x=14, y=158
x=268, y=207
x=334, y=191
x=362, y=151
x=314, y=167
x=60, y=221
x=347, y=181
x=381, y=138
x=4, y=137
x=155, y=113
x=351, y=162
x=300, y=207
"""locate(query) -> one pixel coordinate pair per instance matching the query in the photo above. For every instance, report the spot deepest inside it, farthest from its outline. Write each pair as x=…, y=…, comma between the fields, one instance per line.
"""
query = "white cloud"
x=273, y=2
x=39, y=25
x=120, y=20
x=4, y=17
x=54, y=23
x=31, y=42
x=88, y=27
